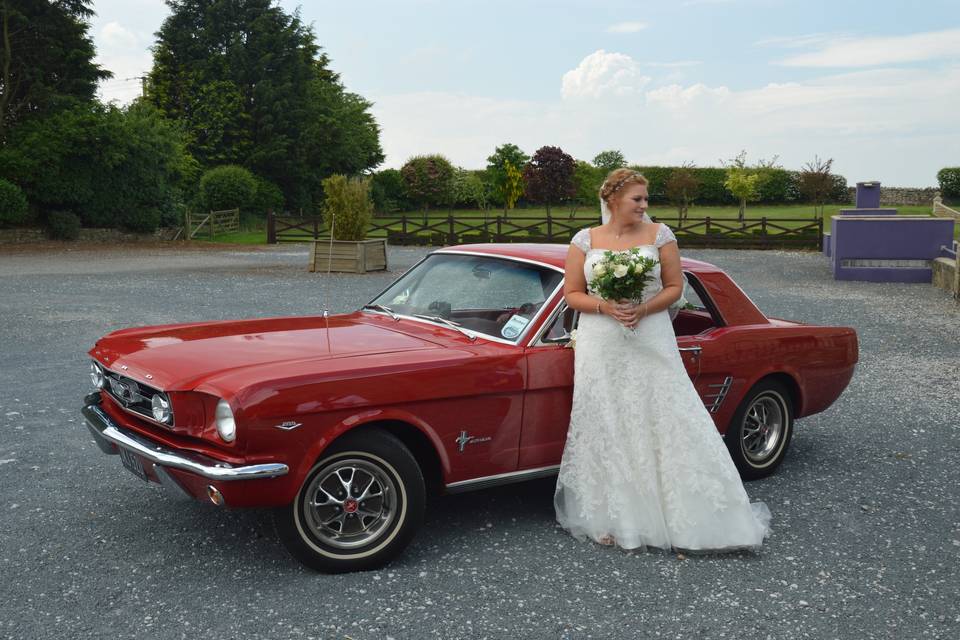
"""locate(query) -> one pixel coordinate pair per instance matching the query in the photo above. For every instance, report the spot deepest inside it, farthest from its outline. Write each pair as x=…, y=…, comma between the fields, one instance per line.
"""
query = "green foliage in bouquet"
x=622, y=275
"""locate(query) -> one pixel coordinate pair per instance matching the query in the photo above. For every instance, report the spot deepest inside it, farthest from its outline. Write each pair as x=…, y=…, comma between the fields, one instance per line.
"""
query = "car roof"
x=554, y=255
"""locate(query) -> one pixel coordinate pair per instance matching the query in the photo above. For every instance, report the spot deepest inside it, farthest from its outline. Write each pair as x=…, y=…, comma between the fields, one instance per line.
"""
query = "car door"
x=549, y=391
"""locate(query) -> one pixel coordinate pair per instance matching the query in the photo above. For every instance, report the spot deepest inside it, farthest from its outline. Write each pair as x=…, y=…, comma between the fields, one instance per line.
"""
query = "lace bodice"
x=664, y=236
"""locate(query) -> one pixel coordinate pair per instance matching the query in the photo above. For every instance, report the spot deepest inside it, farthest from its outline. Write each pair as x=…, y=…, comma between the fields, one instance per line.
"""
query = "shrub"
x=142, y=219
x=388, y=192
x=347, y=206
x=13, y=204
x=267, y=196
x=227, y=187
x=949, y=180
x=63, y=225
x=428, y=180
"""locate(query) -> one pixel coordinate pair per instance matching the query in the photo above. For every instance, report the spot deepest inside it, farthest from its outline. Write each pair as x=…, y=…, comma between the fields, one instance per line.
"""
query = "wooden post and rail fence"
x=760, y=233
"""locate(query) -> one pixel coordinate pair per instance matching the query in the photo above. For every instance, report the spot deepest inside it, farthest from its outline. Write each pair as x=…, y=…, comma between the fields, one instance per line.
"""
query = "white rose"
x=620, y=270
x=599, y=269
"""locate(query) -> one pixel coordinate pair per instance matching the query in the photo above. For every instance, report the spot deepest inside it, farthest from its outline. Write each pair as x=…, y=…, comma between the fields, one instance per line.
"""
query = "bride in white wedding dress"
x=644, y=464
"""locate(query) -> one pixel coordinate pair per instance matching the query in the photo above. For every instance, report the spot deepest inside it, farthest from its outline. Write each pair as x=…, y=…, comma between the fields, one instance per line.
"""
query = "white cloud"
x=892, y=125
x=675, y=97
x=627, y=27
x=673, y=65
x=875, y=51
x=115, y=35
x=603, y=74
x=801, y=41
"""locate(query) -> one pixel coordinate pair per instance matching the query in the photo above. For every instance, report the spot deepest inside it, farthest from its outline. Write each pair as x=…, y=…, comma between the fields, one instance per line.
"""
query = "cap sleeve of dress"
x=581, y=240
x=664, y=236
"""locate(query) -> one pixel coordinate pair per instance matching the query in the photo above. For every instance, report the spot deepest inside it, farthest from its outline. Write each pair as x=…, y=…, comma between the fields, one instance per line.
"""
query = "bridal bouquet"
x=621, y=275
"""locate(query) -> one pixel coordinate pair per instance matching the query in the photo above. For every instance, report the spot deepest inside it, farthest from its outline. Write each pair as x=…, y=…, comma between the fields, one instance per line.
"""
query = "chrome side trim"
x=719, y=396
x=102, y=427
x=502, y=478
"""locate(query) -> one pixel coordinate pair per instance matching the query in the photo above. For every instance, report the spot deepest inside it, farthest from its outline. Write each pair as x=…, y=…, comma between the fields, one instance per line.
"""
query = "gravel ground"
x=866, y=520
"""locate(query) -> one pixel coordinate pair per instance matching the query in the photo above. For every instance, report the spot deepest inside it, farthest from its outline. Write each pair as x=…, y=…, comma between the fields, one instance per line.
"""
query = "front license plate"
x=132, y=462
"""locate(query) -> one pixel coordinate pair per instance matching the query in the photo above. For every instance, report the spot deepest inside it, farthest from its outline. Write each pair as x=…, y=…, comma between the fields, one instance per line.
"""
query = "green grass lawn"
x=801, y=214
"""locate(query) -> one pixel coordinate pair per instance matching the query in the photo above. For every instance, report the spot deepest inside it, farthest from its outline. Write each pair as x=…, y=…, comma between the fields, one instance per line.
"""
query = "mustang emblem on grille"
x=126, y=390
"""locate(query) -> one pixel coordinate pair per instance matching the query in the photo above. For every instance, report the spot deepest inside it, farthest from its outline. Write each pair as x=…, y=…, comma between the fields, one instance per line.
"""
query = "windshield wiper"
x=380, y=307
x=444, y=321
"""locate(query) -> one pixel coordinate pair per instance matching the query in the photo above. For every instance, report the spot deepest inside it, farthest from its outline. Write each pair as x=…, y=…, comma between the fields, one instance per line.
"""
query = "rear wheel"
x=760, y=432
x=359, y=506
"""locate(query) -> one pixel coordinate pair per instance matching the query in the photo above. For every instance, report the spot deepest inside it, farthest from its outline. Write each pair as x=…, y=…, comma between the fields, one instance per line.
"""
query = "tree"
x=46, y=59
x=816, y=183
x=512, y=186
x=549, y=176
x=497, y=169
x=587, y=180
x=429, y=181
x=468, y=189
x=742, y=182
x=13, y=204
x=388, y=192
x=251, y=87
x=607, y=161
x=681, y=188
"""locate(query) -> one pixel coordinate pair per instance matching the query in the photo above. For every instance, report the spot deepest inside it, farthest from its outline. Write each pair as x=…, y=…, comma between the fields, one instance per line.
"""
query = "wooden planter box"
x=349, y=256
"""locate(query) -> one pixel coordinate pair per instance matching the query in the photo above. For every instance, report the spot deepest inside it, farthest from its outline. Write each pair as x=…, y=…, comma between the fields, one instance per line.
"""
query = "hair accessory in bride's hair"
x=623, y=181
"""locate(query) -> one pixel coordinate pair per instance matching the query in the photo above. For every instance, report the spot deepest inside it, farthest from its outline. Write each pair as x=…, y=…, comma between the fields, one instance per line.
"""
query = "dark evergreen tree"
x=251, y=87
x=46, y=59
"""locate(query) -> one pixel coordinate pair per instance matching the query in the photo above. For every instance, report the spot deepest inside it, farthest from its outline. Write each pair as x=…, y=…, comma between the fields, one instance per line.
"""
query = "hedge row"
x=779, y=187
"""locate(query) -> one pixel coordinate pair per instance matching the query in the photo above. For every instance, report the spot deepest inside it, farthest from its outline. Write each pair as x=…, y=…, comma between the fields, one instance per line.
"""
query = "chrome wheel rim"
x=763, y=427
x=349, y=504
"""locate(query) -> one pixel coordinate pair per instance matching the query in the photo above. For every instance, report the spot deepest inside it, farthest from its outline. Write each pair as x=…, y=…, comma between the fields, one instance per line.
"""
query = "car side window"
x=696, y=313
x=562, y=326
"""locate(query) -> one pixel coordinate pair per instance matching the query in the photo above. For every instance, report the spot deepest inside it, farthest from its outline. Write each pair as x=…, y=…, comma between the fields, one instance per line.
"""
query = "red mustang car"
x=456, y=377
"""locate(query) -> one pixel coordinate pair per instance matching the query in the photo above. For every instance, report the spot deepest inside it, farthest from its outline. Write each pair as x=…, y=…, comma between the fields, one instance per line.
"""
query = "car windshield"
x=494, y=296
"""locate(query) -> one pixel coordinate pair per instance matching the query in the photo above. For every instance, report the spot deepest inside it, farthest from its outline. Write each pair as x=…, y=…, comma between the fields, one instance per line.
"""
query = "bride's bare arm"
x=671, y=275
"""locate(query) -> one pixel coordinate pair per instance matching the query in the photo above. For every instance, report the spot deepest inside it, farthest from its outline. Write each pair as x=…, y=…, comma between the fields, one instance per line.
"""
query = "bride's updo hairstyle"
x=619, y=178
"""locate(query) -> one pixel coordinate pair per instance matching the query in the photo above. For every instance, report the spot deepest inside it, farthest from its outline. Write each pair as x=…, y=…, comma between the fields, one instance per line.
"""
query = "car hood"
x=180, y=357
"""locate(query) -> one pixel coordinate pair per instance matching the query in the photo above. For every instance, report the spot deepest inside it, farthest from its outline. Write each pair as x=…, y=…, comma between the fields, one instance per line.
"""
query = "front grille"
x=130, y=394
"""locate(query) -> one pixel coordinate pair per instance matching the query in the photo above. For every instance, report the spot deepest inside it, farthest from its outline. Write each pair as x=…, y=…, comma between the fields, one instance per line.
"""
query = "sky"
x=873, y=85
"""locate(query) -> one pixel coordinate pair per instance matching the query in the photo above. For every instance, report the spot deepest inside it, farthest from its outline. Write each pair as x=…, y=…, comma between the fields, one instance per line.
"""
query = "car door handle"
x=696, y=349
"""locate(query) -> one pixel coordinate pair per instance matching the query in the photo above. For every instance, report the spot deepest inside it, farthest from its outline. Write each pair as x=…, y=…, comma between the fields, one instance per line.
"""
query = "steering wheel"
x=440, y=308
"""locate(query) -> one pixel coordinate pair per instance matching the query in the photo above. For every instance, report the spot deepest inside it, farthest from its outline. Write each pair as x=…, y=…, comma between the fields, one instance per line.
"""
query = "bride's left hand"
x=630, y=313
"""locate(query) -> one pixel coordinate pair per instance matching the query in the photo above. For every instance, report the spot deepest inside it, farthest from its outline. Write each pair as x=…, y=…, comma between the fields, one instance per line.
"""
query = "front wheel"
x=358, y=508
x=759, y=434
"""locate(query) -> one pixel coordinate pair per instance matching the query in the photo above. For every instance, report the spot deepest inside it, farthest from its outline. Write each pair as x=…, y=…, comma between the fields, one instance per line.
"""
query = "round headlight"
x=96, y=375
x=161, y=408
x=226, y=426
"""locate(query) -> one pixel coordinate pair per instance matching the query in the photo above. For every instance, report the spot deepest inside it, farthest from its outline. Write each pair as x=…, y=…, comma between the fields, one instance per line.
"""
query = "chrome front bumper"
x=109, y=435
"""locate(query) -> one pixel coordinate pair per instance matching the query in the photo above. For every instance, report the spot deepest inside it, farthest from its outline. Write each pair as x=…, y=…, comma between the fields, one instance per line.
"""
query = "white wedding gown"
x=644, y=463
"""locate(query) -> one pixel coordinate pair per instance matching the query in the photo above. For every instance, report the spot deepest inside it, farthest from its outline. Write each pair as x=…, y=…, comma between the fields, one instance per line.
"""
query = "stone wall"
x=892, y=196
x=26, y=236
x=945, y=276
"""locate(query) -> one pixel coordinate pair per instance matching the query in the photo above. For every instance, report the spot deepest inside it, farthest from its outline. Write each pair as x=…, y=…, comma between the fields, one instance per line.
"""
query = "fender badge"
x=288, y=426
x=464, y=439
